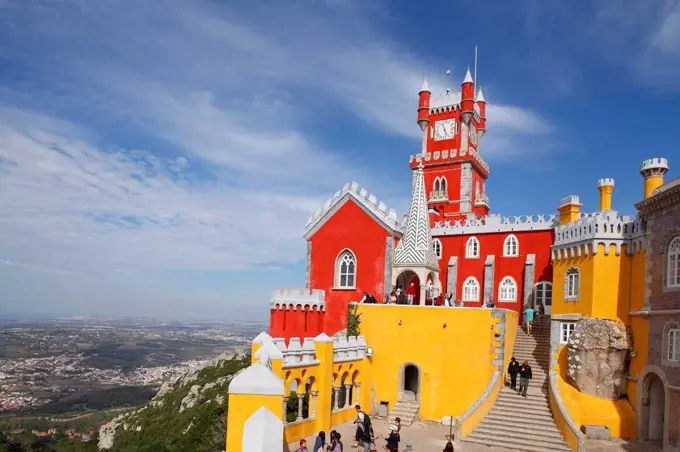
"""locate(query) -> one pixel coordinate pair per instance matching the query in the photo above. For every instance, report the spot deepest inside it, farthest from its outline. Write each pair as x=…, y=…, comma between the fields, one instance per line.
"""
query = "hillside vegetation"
x=188, y=414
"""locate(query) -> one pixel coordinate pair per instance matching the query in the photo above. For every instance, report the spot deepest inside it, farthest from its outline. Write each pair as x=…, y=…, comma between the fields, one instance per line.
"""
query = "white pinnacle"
x=468, y=77
x=480, y=96
x=425, y=86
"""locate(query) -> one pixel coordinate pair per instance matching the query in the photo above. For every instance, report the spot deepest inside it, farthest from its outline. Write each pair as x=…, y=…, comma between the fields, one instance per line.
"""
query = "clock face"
x=444, y=129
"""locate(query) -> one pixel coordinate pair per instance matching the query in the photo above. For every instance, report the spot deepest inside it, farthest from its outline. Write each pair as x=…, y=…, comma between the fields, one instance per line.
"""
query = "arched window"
x=572, y=284
x=471, y=289
x=345, y=270
x=673, y=263
x=511, y=246
x=437, y=247
x=507, y=289
x=543, y=293
x=673, y=346
x=472, y=248
x=436, y=186
x=443, y=189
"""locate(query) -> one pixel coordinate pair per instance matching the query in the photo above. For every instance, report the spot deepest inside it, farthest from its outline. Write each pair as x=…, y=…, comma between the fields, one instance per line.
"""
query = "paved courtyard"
x=431, y=437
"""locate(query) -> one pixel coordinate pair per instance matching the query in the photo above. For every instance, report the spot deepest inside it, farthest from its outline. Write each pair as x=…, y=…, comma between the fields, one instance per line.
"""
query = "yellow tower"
x=570, y=209
x=653, y=171
x=605, y=187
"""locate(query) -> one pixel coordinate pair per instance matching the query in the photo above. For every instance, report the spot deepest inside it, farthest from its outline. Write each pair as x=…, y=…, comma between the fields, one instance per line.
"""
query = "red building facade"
x=352, y=238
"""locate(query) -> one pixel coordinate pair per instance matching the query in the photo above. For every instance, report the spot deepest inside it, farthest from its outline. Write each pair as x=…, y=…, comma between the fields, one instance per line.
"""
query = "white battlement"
x=440, y=100
x=303, y=352
x=494, y=223
x=655, y=163
x=449, y=154
x=570, y=200
x=289, y=298
x=607, y=228
x=365, y=199
x=606, y=182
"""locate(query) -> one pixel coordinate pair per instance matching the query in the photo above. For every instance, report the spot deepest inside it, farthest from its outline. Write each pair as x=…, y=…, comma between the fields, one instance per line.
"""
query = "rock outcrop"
x=598, y=357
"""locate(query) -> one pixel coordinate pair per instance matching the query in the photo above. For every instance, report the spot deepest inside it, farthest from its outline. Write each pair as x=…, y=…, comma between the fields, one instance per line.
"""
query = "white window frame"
x=472, y=248
x=437, y=248
x=572, y=284
x=673, y=263
x=339, y=272
x=505, y=297
x=673, y=345
x=540, y=291
x=508, y=243
x=470, y=282
x=566, y=330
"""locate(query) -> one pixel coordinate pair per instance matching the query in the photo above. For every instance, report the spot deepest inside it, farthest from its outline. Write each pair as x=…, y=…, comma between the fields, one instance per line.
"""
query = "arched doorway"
x=409, y=387
x=657, y=408
x=542, y=294
x=404, y=281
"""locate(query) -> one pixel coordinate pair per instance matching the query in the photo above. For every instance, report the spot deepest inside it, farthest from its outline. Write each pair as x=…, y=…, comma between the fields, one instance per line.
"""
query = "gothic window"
x=443, y=188
x=572, y=283
x=511, y=246
x=566, y=328
x=436, y=187
x=437, y=247
x=507, y=290
x=345, y=270
x=543, y=293
x=673, y=344
x=673, y=263
x=472, y=248
x=471, y=289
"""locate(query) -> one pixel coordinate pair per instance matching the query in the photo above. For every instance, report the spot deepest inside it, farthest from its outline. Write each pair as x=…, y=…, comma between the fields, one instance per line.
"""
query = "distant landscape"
x=61, y=379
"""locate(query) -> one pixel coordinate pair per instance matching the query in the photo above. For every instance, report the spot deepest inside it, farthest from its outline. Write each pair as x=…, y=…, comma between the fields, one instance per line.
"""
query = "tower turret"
x=570, y=209
x=481, y=102
x=424, y=105
x=467, y=103
x=605, y=187
x=653, y=170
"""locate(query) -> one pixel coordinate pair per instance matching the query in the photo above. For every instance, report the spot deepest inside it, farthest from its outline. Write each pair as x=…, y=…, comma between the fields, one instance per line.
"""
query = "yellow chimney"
x=569, y=209
x=653, y=171
x=605, y=187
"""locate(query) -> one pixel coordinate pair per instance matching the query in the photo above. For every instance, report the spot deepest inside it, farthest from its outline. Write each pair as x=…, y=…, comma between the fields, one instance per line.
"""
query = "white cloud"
x=220, y=105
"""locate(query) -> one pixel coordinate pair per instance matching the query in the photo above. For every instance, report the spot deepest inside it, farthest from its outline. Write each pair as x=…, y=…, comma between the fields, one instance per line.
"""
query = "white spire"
x=425, y=86
x=468, y=76
x=415, y=247
x=480, y=96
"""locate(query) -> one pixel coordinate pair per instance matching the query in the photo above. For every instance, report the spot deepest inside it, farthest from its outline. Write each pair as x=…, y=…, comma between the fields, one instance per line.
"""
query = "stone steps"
x=524, y=423
x=407, y=411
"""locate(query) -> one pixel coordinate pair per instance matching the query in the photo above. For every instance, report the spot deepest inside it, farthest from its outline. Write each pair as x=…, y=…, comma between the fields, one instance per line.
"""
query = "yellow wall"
x=569, y=436
x=611, y=284
x=469, y=424
x=584, y=305
x=652, y=183
x=241, y=407
x=458, y=355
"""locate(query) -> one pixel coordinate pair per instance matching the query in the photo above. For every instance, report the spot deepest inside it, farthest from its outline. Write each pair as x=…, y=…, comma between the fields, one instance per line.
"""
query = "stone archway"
x=654, y=403
x=404, y=280
x=410, y=377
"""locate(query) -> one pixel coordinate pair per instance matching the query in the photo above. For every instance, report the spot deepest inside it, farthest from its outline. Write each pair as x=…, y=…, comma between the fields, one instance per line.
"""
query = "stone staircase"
x=518, y=423
x=406, y=409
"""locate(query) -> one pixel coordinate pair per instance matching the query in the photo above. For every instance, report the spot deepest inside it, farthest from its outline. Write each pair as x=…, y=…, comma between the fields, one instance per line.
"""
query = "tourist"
x=365, y=298
x=303, y=446
x=393, y=439
x=411, y=293
x=359, y=422
x=439, y=301
x=397, y=422
x=448, y=300
x=333, y=440
x=371, y=299
x=529, y=317
x=513, y=370
x=448, y=447
x=524, y=377
x=336, y=444
x=490, y=304
x=541, y=313
x=460, y=303
x=320, y=442
x=393, y=298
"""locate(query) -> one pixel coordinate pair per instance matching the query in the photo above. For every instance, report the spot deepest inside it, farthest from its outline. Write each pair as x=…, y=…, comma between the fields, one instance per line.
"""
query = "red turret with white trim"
x=467, y=102
x=424, y=105
x=481, y=103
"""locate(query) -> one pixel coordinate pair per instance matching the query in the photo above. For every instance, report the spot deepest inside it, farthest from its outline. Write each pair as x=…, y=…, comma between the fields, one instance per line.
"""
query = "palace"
x=605, y=358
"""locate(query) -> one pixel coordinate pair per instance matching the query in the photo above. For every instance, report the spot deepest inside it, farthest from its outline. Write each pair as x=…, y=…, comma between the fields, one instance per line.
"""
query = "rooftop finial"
x=480, y=96
x=425, y=87
x=468, y=76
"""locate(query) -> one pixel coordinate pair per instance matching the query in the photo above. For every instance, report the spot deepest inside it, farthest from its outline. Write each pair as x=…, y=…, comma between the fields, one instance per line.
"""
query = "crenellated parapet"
x=291, y=298
x=367, y=201
x=448, y=156
x=301, y=352
x=494, y=223
x=606, y=228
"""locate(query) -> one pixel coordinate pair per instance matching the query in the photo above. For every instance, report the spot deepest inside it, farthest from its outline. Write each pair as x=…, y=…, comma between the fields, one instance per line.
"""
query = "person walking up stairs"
x=518, y=423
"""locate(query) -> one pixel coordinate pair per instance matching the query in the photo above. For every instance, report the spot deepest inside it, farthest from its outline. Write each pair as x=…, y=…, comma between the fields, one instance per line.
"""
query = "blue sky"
x=161, y=158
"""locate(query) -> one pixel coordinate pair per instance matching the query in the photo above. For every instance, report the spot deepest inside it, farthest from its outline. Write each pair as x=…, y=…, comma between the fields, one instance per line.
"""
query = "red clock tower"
x=455, y=173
